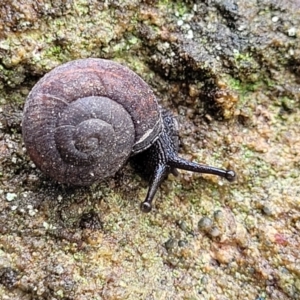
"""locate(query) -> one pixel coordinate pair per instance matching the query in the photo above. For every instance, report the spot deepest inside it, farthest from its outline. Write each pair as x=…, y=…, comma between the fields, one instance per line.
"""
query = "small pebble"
x=10, y=196
x=170, y=244
x=179, y=22
x=292, y=31
x=58, y=269
x=205, y=224
x=190, y=34
x=215, y=232
x=267, y=211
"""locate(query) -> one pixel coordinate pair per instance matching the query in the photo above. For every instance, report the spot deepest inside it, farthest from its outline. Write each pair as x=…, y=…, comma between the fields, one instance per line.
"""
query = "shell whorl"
x=84, y=119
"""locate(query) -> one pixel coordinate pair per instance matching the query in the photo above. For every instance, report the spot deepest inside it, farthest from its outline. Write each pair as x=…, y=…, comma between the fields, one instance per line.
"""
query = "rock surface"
x=230, y=70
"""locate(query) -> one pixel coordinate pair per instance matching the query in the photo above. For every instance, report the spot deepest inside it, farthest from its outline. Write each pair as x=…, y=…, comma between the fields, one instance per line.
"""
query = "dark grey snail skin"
x=85, y=118
x=162, y=158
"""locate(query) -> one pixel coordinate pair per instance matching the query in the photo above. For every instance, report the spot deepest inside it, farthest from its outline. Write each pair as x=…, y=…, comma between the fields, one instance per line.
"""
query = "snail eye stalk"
x=180, y=163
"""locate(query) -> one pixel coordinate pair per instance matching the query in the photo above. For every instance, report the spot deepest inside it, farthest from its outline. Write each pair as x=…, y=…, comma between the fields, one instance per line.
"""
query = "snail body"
x=85, y=118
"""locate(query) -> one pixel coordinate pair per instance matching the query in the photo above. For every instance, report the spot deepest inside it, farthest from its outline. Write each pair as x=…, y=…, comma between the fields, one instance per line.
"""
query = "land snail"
x=85, y=118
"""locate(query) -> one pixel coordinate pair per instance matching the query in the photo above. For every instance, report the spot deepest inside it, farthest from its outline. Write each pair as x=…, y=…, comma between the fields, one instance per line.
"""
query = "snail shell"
x=84, y=119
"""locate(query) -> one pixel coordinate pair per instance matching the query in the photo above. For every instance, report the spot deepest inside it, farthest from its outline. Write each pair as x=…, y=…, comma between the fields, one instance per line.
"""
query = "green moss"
x=53, y=52
x=7, y=75
x=245, y=89
x=243, y=57
x=287, y=103
x=179, y=8
x=81, y=7
x=162, y=4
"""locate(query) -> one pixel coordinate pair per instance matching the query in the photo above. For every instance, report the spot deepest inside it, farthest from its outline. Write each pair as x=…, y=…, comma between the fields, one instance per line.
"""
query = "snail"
x=84, y=119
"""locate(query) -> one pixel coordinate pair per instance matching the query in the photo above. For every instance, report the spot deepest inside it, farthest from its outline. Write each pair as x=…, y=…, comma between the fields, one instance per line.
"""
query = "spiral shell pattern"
x=84, y=119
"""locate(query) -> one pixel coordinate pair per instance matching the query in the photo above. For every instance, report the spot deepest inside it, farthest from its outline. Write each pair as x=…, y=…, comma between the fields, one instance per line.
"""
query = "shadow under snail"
x=84, y=119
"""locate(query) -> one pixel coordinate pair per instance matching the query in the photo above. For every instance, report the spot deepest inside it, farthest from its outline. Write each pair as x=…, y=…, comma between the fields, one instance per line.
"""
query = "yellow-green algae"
x=164, y=254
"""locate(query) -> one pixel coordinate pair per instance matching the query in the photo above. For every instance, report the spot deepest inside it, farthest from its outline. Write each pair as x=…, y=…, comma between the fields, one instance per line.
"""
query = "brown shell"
x=84, y=119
